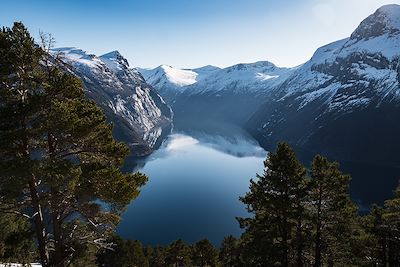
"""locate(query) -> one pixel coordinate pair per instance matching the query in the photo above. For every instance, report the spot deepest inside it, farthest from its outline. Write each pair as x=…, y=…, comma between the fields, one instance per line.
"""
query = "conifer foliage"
x=275, y=199
x=300, y=219
x=59, y=161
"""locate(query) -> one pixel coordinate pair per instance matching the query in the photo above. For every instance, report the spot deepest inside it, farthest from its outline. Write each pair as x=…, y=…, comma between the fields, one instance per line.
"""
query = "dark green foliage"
x=157, y=256
x=178, y=254
x=57, y=154
x=229, y=252
x=333, y=216
x=276, y=200
x=309, y=220
x=391, y=218
x=383, y=227
x=16, y=239
x=124, y=253
x=204, y=254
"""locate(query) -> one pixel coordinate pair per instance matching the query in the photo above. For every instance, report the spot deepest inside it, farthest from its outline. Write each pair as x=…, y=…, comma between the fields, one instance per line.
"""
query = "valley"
x=343, y=103
x=278, y=146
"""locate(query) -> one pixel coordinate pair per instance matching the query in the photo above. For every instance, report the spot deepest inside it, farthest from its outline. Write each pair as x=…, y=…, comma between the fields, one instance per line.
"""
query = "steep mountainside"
x=133, y=106
x=345, y=101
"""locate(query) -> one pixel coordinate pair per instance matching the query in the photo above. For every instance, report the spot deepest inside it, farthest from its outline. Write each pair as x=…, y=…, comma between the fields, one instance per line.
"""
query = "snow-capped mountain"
x=251, y=78
x=345, y=101
x=231, y=94
x=133, y=106
x=171, y=81
x=210, y=93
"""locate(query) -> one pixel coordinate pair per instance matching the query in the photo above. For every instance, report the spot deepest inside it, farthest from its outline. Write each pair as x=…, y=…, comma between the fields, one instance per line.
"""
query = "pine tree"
x=334, y=216
x=19, y=98
x=204, y=254
x=158, y=257
x=276, y=200
x=60, y=163
x=229, y=252
x=391, y=225
x=383, y=228
x=377, y=237
x=124, y=253
x=16, y=239
x=178, y=254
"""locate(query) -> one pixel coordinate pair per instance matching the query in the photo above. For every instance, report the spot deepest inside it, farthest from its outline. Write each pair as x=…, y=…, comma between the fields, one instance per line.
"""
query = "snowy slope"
x=170, y=81
x=248, y=78
x=230, y=94
x=355, y=71
x=167, y=74
x=346, y=96
x=133, y=106
x=213, y=93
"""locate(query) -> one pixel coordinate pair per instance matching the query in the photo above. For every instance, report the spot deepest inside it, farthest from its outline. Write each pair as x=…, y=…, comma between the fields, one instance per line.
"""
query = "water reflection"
x=193, y=189
x=196, y=178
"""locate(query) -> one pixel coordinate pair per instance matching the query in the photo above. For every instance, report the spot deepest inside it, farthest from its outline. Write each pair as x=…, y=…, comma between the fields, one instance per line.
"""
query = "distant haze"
x=194, y=33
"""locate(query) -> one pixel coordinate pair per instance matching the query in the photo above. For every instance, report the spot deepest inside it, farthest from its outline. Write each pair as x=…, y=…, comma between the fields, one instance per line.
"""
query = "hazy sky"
x=193, y=33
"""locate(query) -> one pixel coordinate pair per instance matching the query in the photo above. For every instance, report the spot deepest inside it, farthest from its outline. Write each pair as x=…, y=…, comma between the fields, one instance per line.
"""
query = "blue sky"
x=193, y=33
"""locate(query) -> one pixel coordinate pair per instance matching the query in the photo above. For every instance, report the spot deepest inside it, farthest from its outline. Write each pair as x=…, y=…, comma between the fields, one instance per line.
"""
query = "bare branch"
x=17, y=213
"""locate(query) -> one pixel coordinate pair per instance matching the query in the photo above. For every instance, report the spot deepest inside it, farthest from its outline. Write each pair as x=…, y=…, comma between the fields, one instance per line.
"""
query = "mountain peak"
x=392, y=9
x=386, y=20
x=206, y=68
x=165, y=67
x=115, y=60
x=112, y=54
x=71, y=50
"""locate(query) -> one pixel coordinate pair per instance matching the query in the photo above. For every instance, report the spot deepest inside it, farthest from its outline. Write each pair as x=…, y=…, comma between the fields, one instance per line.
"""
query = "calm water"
x=193, y=189
x=196, y=178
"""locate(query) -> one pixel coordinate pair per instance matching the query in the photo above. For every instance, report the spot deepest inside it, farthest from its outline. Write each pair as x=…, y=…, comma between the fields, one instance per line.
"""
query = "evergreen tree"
x=204, y=254
x=382, y=226
x=178, y=254
x=377, y=237
x=391, y=226
x=124, y=253
x=275, y=199
x=229, y=253
x=158, y=257
x=16, y=239
x=334, y=216
x=60, y=163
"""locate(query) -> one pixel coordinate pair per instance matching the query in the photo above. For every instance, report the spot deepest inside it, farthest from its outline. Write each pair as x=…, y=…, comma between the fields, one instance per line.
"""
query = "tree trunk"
x=318, y=256
x=385, y=253
x=285, y=261
x=318, y=236
x=299, y=244
x=39, y=223
x=58, y=257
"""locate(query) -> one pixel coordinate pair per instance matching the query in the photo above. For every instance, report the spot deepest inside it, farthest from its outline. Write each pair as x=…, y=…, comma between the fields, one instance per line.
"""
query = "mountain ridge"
x=134, y=107
x=345, y=97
